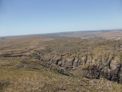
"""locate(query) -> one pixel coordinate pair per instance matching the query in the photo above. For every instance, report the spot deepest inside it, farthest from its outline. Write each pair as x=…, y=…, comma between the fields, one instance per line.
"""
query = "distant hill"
x=107, y=34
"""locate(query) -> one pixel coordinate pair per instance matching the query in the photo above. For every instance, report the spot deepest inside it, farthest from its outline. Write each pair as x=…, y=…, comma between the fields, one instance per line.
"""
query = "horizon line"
x=100, y=30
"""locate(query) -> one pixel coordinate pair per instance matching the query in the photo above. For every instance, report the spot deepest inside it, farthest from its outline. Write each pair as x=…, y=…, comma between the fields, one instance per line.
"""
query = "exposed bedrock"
x=92, y=66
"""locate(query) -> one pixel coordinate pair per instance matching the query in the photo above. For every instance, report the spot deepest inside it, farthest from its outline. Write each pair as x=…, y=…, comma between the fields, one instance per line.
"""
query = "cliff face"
x=91, y=67
x=92, y=59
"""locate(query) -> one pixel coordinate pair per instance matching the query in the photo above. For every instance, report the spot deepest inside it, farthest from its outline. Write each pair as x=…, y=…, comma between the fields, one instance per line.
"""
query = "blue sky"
x=19, y=17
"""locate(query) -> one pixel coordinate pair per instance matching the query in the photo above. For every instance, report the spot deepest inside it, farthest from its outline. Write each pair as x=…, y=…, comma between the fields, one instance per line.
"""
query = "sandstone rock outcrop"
x=93, y=66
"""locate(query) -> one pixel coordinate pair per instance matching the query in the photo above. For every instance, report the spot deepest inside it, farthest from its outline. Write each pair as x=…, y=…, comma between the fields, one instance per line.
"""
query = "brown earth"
x=60, y=63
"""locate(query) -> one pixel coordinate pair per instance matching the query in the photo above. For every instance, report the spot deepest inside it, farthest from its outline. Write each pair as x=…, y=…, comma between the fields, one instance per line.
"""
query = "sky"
x=19, y=17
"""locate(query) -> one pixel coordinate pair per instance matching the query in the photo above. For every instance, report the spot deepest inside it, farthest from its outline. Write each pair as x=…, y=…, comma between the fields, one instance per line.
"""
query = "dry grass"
x=22, y=80
x=44, y=80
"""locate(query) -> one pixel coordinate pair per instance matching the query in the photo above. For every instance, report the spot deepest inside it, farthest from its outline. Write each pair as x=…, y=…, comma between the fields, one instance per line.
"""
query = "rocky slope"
x=96, y=63
x=93, y=60
x=60, y=64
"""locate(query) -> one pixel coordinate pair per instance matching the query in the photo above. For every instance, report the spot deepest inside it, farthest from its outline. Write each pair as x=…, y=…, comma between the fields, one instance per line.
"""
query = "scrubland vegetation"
x=60, y=64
